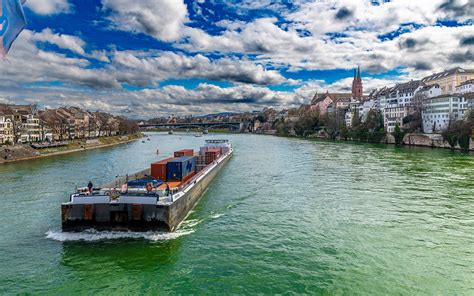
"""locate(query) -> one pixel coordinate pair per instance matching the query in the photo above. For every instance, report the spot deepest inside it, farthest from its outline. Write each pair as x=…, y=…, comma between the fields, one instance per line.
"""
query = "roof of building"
x=384, y=91
x=446, y=73
x=5, y=110
x=23, y=109
x=379, y=92
x=333, y=96
x=428, y=87
x=409, y=86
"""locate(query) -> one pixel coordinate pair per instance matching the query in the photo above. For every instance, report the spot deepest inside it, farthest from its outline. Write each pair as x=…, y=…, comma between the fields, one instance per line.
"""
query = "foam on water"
x=189, y=223
x=217, y=215
x=94, y=235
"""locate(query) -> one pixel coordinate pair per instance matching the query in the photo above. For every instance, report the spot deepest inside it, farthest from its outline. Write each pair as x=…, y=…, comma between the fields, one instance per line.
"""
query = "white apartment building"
x=353, y=106
x=31, y=130
x=465, y=87
x=430, y=91
x=394, y=115
x=380, y=97
x=365, y=107
x=398, y=103
x=438, y=112
x=6, y=130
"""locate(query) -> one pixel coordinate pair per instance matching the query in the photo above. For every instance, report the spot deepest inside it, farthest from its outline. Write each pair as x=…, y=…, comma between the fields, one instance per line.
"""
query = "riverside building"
x=448, y=80
x=438, y=112
x=6, y=130
x=399, y=103
x=465, y=87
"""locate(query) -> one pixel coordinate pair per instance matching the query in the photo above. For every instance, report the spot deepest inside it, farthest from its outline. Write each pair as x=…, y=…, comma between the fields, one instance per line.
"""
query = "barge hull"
x=137, y=217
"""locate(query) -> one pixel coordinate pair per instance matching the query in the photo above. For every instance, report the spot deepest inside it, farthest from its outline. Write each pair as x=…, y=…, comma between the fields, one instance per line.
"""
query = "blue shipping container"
x=180, y=168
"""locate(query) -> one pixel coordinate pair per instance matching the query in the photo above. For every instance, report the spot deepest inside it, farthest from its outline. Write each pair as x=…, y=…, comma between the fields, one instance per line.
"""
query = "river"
x=284, y=215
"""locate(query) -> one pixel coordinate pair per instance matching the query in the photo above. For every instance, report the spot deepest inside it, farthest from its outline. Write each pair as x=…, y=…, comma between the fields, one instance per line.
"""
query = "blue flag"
x=12, y=22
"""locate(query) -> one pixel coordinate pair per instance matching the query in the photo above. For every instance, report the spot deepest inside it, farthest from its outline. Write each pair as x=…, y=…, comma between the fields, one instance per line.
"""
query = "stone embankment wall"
x=8, y=153
x=426, y=140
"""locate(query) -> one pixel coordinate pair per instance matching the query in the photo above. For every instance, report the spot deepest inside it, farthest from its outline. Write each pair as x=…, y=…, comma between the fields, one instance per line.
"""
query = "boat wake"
x=94, y=235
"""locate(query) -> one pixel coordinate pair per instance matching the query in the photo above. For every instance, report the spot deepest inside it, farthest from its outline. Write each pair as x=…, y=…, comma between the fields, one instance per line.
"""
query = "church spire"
x=357, y=88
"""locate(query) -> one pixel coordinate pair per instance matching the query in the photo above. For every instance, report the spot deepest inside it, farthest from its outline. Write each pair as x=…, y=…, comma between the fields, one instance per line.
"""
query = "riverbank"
x=23, y=152
x=409, y=140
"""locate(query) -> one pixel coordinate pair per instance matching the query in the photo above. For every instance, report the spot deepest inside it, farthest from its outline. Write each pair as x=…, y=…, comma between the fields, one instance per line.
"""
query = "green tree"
x=355, y=123
x=308, y=123
x=398, y=134
x=344, y=131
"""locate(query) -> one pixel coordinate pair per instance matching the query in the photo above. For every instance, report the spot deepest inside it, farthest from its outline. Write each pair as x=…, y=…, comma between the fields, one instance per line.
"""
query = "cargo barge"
x=157, y=198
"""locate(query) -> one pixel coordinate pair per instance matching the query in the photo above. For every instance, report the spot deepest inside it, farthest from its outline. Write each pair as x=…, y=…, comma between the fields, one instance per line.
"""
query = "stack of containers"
x=225, y=149
x=184, y=152
x=158, y=169
x=200, y=160
x=180, y=169
x=212, y=154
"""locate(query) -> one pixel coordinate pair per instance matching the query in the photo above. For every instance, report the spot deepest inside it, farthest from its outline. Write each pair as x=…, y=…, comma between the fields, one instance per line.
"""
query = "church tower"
x=357, y=90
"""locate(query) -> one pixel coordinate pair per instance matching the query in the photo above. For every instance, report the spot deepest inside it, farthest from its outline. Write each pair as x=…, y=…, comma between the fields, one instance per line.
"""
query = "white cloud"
x=72, y=43
x=305, y=40
x=162, y=19
x=49, y=7
x=143, y=68
x=204, y=99
x=28, y=64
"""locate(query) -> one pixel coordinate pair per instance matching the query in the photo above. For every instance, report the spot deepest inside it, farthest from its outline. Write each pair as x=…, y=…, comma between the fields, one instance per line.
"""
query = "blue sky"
x=157, y=57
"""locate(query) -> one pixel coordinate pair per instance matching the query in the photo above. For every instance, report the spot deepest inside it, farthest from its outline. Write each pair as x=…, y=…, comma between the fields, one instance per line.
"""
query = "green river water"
x=285, y=216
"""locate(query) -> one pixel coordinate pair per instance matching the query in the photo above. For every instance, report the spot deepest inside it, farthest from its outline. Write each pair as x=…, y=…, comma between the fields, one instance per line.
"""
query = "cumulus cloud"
x=141, y=68
x=162, y=19
x=206, y=98
x=49, y=7
x=462, y=9
x=135, y=68
x=72, y=43
x=358, y=25
x=29, y=64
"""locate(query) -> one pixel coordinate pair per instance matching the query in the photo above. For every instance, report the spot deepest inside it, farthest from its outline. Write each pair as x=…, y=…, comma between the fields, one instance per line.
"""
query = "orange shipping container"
x=184, y=152
x=158, y=169
x=212, y=154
